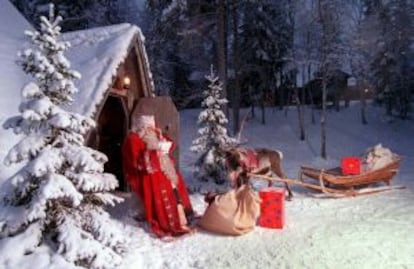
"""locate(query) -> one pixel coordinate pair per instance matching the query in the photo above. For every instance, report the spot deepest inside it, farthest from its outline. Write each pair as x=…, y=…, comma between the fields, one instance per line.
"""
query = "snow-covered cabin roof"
x=95, y=53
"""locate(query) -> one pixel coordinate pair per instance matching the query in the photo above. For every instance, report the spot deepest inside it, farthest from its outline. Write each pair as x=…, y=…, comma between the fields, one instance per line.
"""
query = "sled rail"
x=332, y=183
x=334, y=177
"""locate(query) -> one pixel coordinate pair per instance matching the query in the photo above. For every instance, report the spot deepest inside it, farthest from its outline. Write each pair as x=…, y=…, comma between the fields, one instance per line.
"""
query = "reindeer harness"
x=248, y=159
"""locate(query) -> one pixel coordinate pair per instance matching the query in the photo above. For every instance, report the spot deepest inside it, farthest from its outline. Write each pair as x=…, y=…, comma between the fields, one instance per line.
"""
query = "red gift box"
x=351, y=165
x=272, y=213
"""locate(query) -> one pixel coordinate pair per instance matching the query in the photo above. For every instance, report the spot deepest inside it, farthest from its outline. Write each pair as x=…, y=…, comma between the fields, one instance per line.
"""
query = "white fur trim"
x=280, y=154
x=144, y=121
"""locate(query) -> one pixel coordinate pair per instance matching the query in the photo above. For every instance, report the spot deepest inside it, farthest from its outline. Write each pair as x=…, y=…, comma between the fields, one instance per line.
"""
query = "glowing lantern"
x=126, y=82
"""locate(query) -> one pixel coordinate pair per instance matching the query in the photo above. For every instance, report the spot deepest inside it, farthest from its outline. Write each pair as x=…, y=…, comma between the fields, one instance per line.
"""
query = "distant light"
x=366, y=90
x=127, y=82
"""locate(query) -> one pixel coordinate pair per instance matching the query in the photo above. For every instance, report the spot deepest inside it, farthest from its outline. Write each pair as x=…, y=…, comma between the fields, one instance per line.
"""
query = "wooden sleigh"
x=332, y=183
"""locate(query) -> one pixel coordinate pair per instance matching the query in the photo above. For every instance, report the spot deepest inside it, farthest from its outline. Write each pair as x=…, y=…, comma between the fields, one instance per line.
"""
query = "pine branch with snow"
x=213, y=137
x=61, y=188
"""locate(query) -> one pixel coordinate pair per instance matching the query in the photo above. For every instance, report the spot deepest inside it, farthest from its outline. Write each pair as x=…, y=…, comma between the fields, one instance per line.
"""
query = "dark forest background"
x=266, y=53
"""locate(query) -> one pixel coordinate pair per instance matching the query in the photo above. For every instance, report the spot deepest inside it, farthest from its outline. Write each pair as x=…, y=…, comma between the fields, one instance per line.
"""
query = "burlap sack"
x=232, y=213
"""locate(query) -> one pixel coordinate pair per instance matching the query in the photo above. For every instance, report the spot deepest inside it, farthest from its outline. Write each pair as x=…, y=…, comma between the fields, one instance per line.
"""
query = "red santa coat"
x=154, y=188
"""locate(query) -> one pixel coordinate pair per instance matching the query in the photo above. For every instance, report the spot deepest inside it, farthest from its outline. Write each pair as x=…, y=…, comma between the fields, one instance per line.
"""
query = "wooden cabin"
x=116, y=83
x=131, y=82
x=124, y=90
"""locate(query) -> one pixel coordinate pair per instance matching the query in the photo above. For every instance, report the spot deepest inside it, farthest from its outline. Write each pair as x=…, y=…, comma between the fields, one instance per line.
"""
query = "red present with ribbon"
x=351, y=165
x=272, y=213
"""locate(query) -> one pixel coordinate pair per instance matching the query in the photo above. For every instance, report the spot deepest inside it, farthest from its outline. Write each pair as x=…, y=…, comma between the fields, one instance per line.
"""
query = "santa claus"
x=150, y=171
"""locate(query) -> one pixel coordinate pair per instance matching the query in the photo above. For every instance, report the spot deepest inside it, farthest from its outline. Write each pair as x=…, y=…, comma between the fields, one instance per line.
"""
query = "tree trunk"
x=236, y=62
x=299, y=106
x=323, y=120
x=311, y=96
x=302, y=91
x=221, y=49
x=253, y=111
x=263, y=96
x=265, y=91
x=289, y=97
x=300, y=115
x=363, y=103
x=325, y=49
x=263, y=108
x=337, y=95
x=280, y=90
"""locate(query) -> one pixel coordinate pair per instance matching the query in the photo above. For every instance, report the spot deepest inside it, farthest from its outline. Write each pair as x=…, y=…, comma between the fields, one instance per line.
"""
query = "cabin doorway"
x=112, y=129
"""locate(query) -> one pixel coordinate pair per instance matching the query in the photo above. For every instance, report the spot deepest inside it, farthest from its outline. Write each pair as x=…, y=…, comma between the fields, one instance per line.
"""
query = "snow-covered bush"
x=58, y=195
x=213, y=138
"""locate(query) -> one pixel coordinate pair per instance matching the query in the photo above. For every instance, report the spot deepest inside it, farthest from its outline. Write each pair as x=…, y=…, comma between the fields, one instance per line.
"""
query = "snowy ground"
x=373, y=231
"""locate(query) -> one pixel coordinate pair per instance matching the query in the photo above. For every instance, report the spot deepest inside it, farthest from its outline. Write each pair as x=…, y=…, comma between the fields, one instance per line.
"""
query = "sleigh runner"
x=334, y=177
x=332, y=183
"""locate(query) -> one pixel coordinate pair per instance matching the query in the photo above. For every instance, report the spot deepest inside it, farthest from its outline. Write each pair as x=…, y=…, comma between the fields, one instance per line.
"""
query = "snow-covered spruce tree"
x=58, y=195
x=213, y=136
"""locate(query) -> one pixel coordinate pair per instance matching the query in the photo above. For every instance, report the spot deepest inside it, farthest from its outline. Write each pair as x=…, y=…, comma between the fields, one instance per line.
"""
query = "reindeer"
x=241, y=163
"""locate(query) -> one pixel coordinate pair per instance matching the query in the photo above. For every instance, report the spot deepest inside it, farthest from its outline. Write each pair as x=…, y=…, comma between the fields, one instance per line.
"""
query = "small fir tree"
x=58, y=194
x=213, y=138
